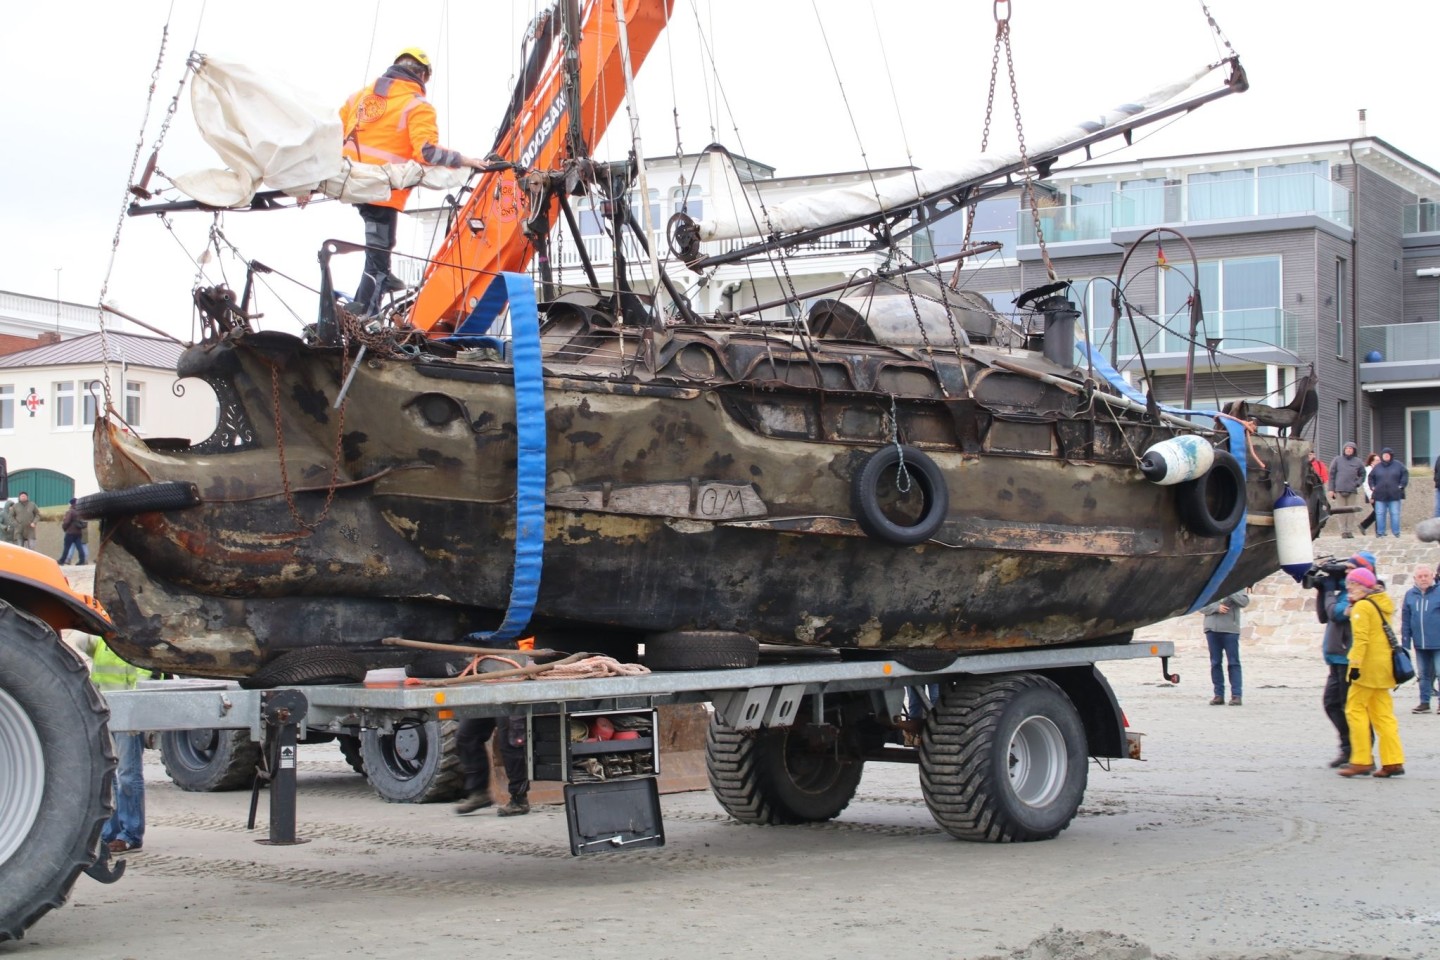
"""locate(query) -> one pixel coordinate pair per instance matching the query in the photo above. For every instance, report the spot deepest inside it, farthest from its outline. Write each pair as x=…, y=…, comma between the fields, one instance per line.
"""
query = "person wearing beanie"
x=74, y=529
x=1368, y=704
x=1347, y=485
x=1335, y=648
x=1388, y=480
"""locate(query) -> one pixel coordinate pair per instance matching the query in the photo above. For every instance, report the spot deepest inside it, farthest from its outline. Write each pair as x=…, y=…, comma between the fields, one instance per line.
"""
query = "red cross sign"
x=32, y=402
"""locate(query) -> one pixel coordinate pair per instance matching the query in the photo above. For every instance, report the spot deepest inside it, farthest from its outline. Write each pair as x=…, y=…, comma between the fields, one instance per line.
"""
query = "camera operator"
x=1327, y=578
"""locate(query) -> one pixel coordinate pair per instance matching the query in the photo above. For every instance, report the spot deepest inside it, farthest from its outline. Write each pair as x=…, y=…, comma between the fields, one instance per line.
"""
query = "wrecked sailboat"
x=899, y=470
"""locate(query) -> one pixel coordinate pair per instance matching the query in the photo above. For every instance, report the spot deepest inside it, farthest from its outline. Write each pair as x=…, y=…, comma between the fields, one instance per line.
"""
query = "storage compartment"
x=594, y=746
x=614, y=815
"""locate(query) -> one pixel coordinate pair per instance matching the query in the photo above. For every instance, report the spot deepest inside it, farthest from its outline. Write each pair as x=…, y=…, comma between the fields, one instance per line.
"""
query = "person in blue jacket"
x=1336, y=649
x=1420, y=630
x=1388, y=481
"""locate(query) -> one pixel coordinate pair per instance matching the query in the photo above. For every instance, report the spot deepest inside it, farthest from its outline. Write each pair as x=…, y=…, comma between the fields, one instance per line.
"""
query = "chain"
x=1029, y=189
x=1002, y=28
x=284, y=470
x=902, y=473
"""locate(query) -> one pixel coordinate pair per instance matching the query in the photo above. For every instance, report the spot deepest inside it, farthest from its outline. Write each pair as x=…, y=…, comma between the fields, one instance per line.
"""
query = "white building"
x=52, y=395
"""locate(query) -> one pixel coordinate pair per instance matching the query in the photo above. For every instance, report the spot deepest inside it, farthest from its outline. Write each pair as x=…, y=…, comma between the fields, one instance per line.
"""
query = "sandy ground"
x=1231, y=839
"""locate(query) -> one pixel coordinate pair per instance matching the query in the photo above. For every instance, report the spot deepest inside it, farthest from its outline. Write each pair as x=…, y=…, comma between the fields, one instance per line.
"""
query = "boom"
x=511, y=208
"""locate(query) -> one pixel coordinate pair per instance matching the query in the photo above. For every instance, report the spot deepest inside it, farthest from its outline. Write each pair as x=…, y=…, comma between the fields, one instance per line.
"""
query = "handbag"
x=1400, y=663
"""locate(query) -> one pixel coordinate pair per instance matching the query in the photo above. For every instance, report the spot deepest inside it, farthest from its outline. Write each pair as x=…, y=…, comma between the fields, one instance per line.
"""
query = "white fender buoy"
x=1292, y=534
x=1178, y=459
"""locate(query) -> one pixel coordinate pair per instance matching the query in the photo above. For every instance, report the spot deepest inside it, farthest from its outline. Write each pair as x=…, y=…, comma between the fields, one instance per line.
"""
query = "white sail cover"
x=269, y=135
x=735, y=210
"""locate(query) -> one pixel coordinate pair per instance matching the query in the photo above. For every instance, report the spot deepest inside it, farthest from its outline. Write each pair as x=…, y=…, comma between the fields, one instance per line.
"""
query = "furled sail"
x=269, y=135
x=734, y=210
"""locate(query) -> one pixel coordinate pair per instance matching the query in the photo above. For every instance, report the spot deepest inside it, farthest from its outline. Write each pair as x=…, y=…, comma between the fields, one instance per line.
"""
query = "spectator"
x=1368, y=705
x=1437, y=486
x=1317, y=466
x=1336, y=648
x=1222, y=632
x=472, y=742
x=1370, y=461
x=74, y=529
x=1420, y=629
x=27, y=520
x=125, y=830
x=9, y=528
x=1347, y=486
x=1388, y=480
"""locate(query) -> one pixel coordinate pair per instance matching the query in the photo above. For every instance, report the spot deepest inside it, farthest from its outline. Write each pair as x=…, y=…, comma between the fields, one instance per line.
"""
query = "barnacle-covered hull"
x=704, y=482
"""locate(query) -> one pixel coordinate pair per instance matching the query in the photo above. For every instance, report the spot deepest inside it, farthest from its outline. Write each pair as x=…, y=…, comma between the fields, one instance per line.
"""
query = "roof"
x=128, y=348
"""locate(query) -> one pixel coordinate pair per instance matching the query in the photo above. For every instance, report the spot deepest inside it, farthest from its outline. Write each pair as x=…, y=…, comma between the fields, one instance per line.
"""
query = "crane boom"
x=544, y=128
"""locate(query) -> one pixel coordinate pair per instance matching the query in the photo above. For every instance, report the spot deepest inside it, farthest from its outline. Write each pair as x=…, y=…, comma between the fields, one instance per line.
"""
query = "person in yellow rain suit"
x=390, y=121
x=125, y=830
x=1368, y=704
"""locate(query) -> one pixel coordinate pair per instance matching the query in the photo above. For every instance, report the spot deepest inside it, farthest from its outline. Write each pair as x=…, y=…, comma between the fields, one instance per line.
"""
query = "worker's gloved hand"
x=1354, y=674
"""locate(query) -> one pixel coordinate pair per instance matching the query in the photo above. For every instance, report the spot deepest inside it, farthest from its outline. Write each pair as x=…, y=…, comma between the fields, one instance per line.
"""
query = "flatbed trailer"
x=787, y=741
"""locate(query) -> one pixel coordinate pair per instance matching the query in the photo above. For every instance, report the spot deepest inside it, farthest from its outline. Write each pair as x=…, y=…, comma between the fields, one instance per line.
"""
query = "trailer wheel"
x=307, y=665
x=350, y=750
x=417, y=763
x=56, y=790
x=209, y=761
x=700, y=650
x=1003, y=759
x=778, y=776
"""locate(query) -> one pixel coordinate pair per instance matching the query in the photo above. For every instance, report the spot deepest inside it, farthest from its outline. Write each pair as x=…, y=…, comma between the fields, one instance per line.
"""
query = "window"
x=995, y=220
x=7, y=408
x=65, y=405
x=1143, y=202
x=1293, y=187
x=1222, y=194
x=1241, y=299
x=687, y=200
x=133, y=394
x=90, y=400
x=1422, y=435
x=1340, y=307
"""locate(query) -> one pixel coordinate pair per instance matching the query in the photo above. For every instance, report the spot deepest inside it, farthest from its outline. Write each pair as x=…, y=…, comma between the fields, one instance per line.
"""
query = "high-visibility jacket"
x=110, y=672
x=390, y=121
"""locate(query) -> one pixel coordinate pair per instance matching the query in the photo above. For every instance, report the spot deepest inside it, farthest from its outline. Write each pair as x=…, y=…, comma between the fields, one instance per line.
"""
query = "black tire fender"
x=145, y=498
x=1211, y=505
x=700, y=650
x=865, y=496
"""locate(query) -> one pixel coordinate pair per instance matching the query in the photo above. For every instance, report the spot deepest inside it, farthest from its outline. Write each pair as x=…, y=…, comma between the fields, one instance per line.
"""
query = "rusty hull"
x=712, y=493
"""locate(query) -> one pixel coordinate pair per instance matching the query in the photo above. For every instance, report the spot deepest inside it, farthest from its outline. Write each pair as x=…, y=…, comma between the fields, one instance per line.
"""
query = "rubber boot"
x=517, y=807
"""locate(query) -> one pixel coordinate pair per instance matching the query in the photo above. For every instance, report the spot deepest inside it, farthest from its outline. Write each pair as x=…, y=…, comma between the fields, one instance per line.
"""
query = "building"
x=52, y=395
x=27, y=322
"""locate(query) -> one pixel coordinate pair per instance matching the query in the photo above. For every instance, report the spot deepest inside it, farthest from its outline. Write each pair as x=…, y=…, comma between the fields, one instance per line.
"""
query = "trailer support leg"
x=282, y=711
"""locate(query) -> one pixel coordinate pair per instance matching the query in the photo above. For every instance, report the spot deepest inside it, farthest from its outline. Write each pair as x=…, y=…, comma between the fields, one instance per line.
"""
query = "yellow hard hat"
x=414, y=53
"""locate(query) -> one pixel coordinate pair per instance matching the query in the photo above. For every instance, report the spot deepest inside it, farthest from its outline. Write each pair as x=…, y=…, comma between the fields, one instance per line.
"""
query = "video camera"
x=1327, y=568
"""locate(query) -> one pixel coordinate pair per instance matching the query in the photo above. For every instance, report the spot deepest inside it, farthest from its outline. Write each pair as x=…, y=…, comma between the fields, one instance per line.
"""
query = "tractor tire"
x=417, y=763
x=1003, y=759
x=700, y=650
x=56, y=760
x=771, y=777
x=350, y=750
x=209, y=761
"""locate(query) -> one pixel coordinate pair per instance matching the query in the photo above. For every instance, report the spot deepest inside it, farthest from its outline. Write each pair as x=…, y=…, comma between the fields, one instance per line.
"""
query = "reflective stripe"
x=109, y=672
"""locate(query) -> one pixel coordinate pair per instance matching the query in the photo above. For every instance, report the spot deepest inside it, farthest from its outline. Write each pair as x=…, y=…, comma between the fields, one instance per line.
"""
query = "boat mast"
x=642, y=183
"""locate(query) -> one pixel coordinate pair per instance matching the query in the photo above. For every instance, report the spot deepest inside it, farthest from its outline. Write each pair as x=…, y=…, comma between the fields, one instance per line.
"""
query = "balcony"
x=1397, y=355
x=1257, y=335
x=1422, y=217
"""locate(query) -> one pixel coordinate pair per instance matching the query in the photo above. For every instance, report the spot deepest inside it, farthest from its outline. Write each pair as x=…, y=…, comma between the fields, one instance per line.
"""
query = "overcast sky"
x=783, y=74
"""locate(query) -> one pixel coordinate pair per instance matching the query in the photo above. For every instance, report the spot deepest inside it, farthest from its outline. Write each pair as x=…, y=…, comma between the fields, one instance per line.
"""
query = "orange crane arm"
x=488, y=235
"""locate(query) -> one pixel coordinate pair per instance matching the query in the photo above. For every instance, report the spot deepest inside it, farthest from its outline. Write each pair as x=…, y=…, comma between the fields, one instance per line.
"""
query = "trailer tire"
x=700, y=650
x=56, y=788
x=767, y=777
x=1213, y=503
x=350, y=750
x=209, y=760
x=145, y=498
x=871, y=515
x=1003, y=759
x=417, y=763
x=307, y=665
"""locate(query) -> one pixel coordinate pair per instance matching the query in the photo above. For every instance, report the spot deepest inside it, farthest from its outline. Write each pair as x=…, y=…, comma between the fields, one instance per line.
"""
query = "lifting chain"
x=280, y=448
x=902, y=472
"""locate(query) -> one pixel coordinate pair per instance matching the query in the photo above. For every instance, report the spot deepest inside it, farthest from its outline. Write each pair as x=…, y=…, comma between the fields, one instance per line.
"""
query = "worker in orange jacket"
x=390, y=121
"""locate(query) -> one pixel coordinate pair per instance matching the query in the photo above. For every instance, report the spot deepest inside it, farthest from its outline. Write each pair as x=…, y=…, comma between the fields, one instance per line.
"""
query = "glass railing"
x=1081, y=221
x=1233, y=331
x=1400, y=341
x=1422, y=217
x=1288, y=195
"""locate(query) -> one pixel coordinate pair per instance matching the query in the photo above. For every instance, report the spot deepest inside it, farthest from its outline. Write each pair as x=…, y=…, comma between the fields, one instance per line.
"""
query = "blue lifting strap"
x=519, y=291
x=1237, y=446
